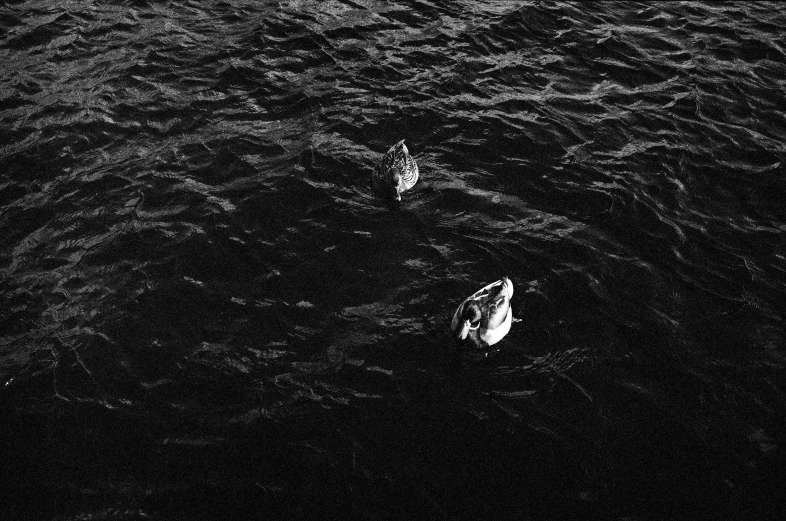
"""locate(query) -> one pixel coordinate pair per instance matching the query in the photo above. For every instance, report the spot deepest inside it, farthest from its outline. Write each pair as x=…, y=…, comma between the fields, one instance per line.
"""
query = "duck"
x=485, y=316
x=395, y=173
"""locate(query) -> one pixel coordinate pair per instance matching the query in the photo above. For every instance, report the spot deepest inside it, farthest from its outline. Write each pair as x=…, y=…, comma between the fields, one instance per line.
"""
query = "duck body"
x=485, y=316
x=395, y=173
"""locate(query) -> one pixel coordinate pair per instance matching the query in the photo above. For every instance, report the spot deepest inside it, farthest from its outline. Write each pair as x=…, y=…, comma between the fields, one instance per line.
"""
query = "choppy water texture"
x=207, y=314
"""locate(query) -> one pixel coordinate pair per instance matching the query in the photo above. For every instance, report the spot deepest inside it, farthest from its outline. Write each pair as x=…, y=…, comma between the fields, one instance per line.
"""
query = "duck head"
x=470, y=320
x=396, y=187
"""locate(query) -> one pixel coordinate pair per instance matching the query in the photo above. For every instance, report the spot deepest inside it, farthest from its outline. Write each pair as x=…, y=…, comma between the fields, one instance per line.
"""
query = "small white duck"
x=485, y=316
x=395, y=173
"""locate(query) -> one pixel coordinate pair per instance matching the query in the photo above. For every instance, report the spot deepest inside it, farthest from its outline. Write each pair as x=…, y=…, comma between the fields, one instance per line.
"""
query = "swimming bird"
x=486, y=315
x=395, y=173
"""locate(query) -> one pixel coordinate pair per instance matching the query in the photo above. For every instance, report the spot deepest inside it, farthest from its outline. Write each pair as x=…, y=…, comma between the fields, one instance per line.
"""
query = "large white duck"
x=485, y=316
x=395, y=173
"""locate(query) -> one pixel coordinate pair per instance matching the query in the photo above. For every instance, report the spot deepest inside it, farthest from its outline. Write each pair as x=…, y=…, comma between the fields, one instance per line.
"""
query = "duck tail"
x=507, y=287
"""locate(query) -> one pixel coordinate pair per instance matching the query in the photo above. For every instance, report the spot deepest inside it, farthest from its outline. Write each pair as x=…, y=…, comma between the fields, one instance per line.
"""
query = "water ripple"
x=189, y=243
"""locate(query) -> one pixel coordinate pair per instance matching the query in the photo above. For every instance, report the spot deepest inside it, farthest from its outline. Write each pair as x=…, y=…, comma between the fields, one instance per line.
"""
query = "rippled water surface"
x=205, y=312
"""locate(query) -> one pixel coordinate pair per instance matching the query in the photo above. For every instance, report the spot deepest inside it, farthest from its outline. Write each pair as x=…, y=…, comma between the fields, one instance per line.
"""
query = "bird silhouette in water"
x=395, y=173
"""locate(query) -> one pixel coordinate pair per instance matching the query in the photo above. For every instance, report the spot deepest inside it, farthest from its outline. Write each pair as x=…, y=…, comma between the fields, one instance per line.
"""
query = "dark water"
x=206, y=313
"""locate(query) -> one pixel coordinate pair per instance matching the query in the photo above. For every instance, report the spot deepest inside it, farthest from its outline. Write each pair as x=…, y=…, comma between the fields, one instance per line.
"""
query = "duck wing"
x=394, y=158
x=406, y=165
x=496, y=303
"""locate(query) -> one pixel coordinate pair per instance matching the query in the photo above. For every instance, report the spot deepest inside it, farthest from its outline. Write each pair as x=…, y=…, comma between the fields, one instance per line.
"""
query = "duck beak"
x=463, y=330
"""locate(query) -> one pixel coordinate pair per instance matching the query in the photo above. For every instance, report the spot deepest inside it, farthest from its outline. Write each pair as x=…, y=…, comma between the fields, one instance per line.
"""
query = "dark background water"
x=205, y=313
